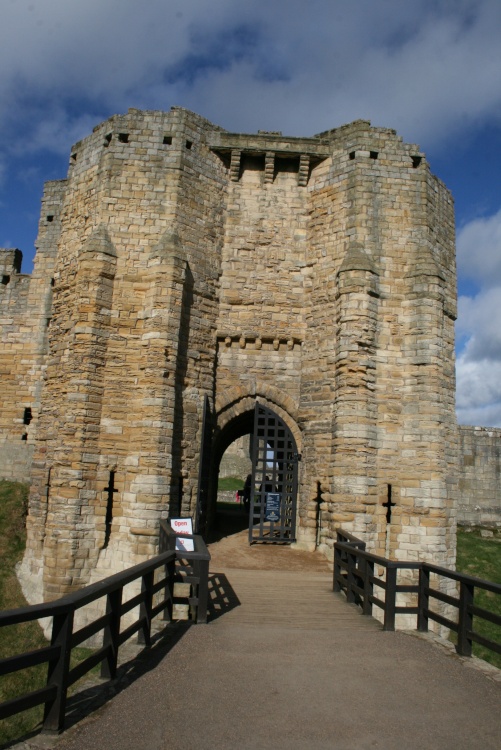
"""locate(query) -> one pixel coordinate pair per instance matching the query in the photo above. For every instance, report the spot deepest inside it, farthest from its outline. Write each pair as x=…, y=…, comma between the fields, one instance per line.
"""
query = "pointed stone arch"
x=234, y=417
x=238, y=400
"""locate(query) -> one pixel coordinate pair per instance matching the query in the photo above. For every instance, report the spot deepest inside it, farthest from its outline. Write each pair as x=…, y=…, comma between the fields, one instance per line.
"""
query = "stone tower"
x=192, y=266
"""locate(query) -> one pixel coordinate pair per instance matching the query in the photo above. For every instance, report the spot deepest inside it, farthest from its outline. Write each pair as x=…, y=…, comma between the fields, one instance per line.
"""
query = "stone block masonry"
x=479, y=500
x=25, y=315
x=179, y=264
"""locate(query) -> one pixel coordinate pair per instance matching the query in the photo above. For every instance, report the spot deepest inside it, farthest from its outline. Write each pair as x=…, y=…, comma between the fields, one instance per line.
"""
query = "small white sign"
x=183, y=526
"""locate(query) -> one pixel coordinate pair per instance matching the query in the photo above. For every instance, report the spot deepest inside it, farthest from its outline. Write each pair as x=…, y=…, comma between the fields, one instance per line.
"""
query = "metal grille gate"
x=274, y=480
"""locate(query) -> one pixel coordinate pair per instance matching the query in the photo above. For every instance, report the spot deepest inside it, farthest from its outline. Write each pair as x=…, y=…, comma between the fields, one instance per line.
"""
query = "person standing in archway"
x=247, y=492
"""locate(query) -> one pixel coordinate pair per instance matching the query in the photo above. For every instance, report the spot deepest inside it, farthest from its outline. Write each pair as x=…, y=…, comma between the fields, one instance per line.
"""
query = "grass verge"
x=227, y=484
x=28, y=636
x=481, y=557
x=18, y=639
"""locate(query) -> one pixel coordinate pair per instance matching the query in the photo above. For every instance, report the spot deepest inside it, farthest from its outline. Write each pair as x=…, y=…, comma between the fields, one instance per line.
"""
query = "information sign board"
x=183, y=526
x=272, y=511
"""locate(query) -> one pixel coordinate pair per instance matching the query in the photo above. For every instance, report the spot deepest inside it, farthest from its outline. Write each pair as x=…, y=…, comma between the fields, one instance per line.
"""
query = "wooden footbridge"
x=286, y=663
x=280, y=599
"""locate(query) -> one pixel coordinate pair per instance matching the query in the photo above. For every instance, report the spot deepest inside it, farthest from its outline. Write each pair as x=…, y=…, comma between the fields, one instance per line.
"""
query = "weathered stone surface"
x=316, y=275
x=479, y=500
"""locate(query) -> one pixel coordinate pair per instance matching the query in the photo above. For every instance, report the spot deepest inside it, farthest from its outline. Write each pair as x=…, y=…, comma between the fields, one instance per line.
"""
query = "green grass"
x=227, y=484
x=13, y=507
x=482, y=558
x=18, y=639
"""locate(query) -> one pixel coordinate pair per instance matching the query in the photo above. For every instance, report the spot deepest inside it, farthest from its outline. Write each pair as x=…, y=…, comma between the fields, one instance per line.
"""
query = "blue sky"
x=431, y=69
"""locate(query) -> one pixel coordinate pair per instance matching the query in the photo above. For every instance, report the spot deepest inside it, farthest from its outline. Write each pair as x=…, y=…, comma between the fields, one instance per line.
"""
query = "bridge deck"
x=283, y=599
x=285, y=663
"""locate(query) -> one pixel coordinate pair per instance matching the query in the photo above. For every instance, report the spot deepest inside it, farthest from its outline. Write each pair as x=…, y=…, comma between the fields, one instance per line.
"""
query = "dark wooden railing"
x=156, y=597
x=354, y=575
x=464, y=603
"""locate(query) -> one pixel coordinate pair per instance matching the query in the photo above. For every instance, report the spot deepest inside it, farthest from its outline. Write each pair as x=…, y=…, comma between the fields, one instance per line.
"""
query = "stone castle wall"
x=479, y=500
x=237, y=460
x=337, y=304
x=25, y=316
x=133, y=317
x=15, y=454
x=316, y=275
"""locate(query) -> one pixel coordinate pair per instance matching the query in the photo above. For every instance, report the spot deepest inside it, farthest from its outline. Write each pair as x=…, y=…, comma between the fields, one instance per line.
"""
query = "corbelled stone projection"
x=182, y=268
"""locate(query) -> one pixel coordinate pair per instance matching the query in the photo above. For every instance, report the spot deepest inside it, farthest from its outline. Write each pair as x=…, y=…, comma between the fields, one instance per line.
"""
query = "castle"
x=185, y=274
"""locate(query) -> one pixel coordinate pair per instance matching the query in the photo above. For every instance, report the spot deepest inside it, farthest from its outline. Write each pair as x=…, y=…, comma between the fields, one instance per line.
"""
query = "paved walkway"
x=286, y=664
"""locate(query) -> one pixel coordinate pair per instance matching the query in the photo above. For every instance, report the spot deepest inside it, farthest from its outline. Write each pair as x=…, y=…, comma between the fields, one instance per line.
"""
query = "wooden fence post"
x=368, y=570
x=423, y=598
x=203, y=590
x=144, y=634
x=390, y=597
x=111, y=634
x=336, y=576
x=465, y=620
x=170, y=572
x=62, y=629
x=350, y=580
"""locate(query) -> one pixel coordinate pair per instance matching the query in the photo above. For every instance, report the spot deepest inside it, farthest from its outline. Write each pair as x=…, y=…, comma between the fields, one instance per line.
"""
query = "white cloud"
x=56, y=131
x=478, y=396
x=424, y=71
x=426, y=68
x=479, y=250
x=478, y=327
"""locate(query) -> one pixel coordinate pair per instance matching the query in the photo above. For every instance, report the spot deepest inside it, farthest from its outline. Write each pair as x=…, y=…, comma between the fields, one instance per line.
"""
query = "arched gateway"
x=272, y=493
x=186, y=270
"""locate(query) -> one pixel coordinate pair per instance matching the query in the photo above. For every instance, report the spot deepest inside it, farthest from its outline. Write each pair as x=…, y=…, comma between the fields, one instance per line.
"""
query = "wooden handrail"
x=65, y=637
x=83, y=596
x=353, y=574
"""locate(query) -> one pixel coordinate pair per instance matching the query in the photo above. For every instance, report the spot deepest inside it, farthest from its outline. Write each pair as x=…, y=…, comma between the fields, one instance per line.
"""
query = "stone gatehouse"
x=184, y=270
